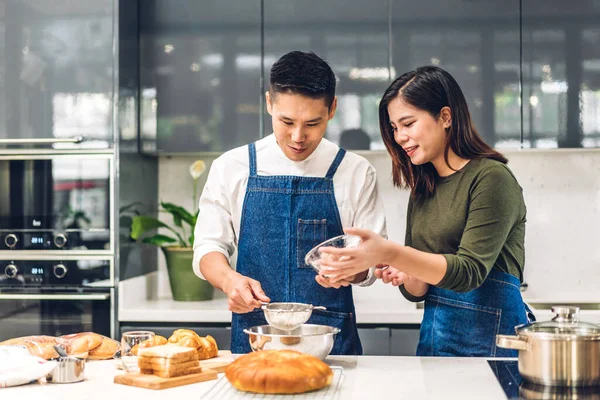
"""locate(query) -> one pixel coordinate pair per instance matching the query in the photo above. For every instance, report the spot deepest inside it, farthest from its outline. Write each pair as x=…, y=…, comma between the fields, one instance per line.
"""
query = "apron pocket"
x=463, y=329
x=310, y=232
x=346, y=341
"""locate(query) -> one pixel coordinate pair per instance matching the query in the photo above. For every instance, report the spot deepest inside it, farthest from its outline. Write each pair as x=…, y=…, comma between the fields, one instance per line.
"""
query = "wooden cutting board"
x=158, y=383
x=218, y=363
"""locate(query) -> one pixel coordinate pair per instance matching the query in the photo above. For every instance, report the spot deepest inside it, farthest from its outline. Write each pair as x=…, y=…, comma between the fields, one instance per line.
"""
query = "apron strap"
x=336, y=163
x=252, y=158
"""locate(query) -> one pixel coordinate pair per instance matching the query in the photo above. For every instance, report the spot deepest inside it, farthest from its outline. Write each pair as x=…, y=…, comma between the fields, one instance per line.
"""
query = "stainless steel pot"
x=560, y=352
x=67, y=370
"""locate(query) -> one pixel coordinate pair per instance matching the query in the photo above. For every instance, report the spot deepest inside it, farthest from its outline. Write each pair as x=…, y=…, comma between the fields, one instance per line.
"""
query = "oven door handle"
x=77, y=139
x=58, y=296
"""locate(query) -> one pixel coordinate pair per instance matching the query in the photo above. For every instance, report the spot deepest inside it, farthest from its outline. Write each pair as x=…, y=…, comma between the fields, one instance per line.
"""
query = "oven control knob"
x=11, y=271
x=60, y=271
x=60, y=240
x=11, y=240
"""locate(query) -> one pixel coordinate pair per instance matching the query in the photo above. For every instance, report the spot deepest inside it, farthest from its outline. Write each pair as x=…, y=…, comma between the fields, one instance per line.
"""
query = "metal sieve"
x=288, y=316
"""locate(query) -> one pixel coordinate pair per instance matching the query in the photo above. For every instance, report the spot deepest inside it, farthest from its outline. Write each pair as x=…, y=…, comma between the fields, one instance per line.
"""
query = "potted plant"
x=177, y=243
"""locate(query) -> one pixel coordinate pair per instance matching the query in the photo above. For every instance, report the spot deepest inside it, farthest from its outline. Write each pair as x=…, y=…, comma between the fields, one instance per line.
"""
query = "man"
x=275, y=199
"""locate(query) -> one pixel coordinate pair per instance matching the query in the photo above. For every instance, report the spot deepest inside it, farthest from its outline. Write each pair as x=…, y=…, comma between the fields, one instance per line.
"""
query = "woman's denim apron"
x=466, y=324
x=282, y=219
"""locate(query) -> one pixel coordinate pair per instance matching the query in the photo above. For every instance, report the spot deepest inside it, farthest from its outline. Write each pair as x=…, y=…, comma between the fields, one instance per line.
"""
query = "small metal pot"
x=560, y=352
x=67, y=370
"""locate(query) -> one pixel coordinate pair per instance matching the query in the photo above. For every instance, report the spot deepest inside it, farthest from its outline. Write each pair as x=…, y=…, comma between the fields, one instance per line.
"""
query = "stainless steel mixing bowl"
x=316, y=340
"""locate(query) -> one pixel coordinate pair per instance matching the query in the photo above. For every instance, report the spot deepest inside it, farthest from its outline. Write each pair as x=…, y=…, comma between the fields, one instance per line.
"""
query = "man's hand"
x=243, y=293
x=329, y=283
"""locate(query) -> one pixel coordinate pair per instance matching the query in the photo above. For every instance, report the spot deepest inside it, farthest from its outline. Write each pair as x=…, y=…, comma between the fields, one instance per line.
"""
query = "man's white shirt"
x=222, y=200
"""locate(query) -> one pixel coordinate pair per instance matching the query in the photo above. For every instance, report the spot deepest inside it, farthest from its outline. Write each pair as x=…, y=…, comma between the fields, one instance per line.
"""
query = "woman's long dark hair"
x=431, y=89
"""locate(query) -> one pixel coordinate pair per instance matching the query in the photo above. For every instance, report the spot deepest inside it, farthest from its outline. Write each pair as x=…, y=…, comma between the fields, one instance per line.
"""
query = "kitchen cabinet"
x=478, y=43
x=200, y=75
x=352, y=36
x=375, y=341
x=561, y=74
x=404, y=341
x=221, y=334
x=57, y=72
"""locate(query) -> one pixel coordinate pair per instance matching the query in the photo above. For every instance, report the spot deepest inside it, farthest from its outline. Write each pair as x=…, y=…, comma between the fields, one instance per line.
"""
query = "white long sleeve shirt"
x=222, y=200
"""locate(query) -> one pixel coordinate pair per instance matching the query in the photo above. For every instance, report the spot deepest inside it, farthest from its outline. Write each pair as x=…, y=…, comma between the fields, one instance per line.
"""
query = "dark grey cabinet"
x=57, y=71
x=200, y=75
x=375, y=341
x=528, y=68
x=404, y=341
x=478, y=43
x=561, y=74
x=352, y=36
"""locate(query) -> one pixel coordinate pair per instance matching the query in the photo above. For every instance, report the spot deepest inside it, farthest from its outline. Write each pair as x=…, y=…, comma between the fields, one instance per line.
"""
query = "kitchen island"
x=364, y=377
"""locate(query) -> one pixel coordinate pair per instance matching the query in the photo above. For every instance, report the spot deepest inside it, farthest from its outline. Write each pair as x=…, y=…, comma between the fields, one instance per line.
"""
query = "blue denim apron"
x=466, y=324
x=282, y=219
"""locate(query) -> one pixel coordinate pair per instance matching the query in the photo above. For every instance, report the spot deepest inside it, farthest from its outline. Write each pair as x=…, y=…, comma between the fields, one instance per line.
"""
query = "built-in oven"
x=57, y=202
x=56, y=296
x=57, y=273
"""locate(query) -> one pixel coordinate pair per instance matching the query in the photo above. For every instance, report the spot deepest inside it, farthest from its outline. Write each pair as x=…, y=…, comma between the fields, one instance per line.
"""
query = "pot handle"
x=511, y=342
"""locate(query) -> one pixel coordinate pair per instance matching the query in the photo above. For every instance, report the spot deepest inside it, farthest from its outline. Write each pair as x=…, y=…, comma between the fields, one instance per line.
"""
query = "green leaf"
x=141, y=224
x=179, y=213
x=159, y=240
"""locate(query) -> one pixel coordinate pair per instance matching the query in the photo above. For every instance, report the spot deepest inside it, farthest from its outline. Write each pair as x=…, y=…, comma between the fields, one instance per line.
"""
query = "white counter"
x=364, y=377
x=140, y=301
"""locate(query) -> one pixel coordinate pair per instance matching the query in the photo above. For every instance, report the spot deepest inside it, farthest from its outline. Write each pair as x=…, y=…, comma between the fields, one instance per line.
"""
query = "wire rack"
x=223, y=390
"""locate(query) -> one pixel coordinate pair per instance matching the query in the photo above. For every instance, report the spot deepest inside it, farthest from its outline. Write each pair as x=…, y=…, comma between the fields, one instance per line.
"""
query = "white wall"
x=562, y=193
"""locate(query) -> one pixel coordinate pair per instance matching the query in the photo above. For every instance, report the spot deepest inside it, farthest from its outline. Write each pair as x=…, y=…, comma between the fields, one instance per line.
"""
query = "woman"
x=464, y=248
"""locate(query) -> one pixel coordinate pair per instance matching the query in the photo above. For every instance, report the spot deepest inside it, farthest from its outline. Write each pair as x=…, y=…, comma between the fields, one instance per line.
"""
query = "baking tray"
x=222, y=390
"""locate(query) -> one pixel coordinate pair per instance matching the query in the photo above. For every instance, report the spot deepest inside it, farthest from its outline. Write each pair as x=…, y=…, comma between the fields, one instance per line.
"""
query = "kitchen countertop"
x=364, y=377
x=139, y=303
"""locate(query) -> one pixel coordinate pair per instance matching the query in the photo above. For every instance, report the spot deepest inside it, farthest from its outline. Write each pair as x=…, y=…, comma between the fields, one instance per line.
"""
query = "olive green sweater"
x=476, y=220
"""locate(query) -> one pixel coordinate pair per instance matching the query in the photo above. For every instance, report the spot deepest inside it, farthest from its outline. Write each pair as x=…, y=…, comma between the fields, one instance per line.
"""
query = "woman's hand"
x=392, y=275
x=344, y=263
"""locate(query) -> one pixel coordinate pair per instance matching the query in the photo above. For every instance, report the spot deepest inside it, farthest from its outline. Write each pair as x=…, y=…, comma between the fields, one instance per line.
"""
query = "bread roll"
x=80, y=342
x=206, y=347
x=106, y=350
x=278, y=372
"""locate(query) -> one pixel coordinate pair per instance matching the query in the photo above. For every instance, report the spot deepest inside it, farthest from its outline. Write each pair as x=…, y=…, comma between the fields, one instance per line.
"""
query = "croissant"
x=206, y=347
x=155, y=341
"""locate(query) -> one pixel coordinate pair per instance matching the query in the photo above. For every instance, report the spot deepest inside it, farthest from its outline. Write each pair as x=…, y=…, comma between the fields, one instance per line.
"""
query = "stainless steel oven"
x=57, y=272
x=56, y=296
x=57, y=203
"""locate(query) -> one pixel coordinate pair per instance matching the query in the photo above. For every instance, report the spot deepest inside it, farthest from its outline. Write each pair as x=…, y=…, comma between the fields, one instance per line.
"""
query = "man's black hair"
x=303, y=73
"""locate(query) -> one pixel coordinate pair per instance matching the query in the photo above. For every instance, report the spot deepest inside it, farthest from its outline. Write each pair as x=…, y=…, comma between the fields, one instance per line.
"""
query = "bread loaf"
x=152, y=342
x=169, y=351
x=40, y=346
x=278, y=372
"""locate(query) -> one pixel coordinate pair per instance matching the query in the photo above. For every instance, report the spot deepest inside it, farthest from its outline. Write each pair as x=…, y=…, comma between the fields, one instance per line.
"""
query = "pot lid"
x=564, y=323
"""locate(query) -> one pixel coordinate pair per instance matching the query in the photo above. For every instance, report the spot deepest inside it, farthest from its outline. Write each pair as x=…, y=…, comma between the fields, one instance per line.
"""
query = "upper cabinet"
x=561, y=73
x=529, y=69
x=57, y=73
x=475, y=41
x=200, y=69
x=352, y=36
